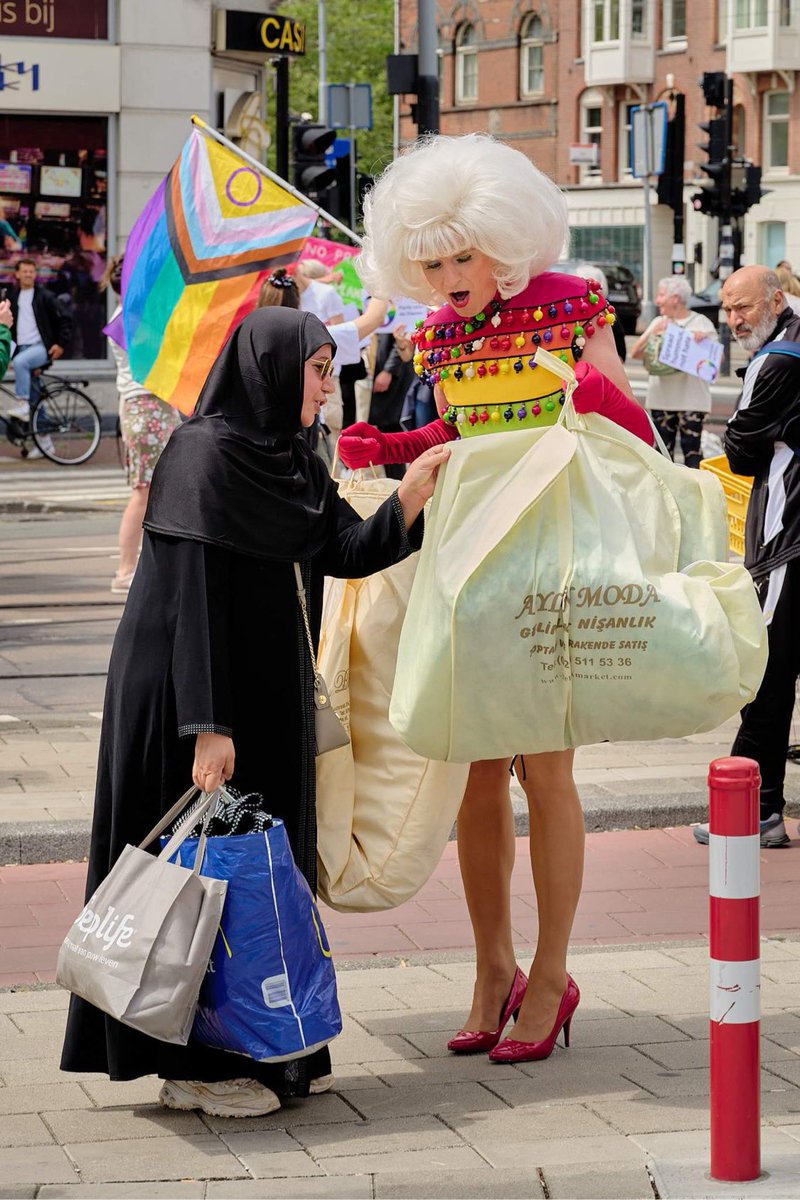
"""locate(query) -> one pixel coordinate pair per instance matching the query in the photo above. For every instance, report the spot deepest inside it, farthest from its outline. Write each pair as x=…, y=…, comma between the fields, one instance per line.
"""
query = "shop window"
x=605, y=21
x=466, y=65
x=53, y=195
x=776, y=130
x=674, y=20
x=610, y=244
x=532, y=57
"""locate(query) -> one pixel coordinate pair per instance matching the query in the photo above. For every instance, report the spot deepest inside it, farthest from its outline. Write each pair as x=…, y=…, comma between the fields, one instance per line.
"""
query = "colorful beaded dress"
x=485, y=364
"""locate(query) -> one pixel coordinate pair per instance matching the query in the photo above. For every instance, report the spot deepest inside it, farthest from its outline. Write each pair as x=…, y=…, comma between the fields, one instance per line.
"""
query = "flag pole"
x=204, y=127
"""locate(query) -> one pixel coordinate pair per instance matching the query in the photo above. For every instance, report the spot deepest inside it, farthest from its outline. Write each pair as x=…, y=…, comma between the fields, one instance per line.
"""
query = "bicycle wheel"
x=66, y=425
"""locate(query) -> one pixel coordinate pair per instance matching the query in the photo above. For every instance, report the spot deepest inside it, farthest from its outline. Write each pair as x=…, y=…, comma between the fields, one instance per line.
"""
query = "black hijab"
x=237, y=474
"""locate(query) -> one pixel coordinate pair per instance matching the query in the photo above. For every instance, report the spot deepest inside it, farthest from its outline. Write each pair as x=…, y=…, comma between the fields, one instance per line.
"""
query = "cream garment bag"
x=384, y=814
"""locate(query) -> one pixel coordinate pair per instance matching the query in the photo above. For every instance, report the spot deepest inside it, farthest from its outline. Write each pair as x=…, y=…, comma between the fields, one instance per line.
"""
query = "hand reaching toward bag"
x=362, y=445
x=418, y=483
x=597, y=394
x=213, y=761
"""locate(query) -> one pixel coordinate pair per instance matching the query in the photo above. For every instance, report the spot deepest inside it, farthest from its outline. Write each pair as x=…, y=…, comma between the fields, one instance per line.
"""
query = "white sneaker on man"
x=227, y=1098
x=21, y=410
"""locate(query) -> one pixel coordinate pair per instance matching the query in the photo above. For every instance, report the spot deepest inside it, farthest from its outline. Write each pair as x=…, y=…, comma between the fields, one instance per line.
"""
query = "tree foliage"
x=360, y=33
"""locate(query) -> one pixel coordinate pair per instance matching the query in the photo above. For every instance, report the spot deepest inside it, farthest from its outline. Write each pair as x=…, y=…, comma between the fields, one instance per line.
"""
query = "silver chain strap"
x=301, y=596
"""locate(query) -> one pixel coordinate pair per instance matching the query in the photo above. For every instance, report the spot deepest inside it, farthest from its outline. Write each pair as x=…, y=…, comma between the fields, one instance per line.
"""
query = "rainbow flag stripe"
x=195, y=261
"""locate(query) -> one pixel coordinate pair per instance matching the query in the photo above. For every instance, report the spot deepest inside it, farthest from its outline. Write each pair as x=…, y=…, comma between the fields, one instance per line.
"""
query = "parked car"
x=707, y=301
x=624, y=293
x=623, y=290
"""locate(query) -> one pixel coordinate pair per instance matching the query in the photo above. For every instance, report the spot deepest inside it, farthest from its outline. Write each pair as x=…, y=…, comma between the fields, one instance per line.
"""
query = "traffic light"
x=311, y=174
x=713, y=84
x=710, y=199
x=743, y=198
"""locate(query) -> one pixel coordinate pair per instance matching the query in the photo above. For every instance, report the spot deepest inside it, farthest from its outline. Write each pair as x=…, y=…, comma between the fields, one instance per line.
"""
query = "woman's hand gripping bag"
x=384, y=813
x=270, y=987
x=569, y=592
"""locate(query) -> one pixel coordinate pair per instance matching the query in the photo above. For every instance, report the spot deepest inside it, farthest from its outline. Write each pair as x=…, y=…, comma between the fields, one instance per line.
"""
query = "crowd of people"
x=210, y=679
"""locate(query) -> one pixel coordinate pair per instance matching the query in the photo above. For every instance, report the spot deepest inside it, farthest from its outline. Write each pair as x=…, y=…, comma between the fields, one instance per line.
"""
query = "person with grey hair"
x=763, y=440
x=679, y=403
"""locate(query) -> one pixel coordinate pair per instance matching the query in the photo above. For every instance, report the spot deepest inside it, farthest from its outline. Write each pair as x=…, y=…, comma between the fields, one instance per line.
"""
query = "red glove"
x=596, y=393
x=361, y=444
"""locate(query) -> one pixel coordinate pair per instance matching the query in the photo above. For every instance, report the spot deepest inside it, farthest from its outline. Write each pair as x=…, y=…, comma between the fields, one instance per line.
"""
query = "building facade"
x=544, y=75
x=96, y=98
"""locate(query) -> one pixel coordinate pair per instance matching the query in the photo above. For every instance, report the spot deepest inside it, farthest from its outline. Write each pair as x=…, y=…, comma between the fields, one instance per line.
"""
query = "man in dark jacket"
x=762, y=440
x=42, y=328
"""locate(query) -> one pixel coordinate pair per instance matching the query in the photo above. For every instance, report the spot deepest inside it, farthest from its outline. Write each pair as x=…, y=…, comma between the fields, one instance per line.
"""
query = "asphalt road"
x=57, y=616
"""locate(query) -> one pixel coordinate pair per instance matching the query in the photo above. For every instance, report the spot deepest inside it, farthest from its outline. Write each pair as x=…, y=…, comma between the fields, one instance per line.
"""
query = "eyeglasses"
x=323, y=365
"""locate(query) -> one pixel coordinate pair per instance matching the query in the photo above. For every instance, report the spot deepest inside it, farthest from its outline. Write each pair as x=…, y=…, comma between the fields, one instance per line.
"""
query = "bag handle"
x=204, y=808
x=557, y=366
x=301, y=596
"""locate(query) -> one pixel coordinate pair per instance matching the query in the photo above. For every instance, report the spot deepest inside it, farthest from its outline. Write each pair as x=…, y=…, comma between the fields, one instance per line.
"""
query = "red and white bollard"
x=735, y=982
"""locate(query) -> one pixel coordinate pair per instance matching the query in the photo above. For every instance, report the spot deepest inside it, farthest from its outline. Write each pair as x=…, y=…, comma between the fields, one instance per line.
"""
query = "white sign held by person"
x=680, y=350
x=405, y=312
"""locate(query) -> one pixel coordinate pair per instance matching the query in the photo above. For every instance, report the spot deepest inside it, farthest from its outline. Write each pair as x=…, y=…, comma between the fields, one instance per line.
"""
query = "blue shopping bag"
x=270, y=988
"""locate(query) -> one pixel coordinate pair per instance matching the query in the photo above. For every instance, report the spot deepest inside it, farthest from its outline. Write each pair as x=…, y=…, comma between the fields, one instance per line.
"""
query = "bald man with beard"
x=762, y=440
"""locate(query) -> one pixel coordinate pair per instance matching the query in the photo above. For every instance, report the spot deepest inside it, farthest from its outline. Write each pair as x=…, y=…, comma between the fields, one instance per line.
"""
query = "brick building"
x=543, y=74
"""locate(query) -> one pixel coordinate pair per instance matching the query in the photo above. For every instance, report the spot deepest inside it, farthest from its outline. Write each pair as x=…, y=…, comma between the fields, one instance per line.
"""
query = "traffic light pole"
x=282, y=116
x=428, y=78
x=284, y=183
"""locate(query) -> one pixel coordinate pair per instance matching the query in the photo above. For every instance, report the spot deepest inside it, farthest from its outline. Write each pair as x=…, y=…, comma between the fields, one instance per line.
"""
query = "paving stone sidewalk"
x=48, y=762
x=405, y=1118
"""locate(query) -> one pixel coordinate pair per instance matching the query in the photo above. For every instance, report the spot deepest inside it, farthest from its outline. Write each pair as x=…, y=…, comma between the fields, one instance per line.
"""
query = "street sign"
x=253, y=33
x=648, y=143
x=584, y=154
x=350, y=105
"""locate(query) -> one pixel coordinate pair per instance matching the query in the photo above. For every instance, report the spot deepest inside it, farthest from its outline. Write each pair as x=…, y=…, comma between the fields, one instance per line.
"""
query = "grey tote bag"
x=140, y=947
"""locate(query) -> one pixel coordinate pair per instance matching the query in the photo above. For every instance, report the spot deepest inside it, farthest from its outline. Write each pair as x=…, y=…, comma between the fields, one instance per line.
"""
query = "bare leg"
x=485, y=831
x=130, y=530
x=557, y=836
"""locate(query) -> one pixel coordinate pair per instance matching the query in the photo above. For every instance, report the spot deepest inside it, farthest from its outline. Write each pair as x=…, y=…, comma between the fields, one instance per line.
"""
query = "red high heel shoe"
x=468, y=1041
x=510, y=1051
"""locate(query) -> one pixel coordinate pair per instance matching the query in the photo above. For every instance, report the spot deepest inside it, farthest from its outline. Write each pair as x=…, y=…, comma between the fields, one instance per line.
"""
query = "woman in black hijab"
x=210, y=671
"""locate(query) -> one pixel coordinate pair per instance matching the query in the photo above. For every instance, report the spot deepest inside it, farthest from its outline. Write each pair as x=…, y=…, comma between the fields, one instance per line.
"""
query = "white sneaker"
x=323, y=1083
x=227, y=1098
x=21, y=410
x=34, y=452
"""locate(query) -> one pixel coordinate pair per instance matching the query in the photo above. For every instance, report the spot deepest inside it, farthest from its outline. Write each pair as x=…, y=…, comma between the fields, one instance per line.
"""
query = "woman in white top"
x=146, y=423
x=678, y=402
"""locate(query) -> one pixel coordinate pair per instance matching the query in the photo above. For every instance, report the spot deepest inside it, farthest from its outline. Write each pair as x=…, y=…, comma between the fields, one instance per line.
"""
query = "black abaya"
x=212, y=641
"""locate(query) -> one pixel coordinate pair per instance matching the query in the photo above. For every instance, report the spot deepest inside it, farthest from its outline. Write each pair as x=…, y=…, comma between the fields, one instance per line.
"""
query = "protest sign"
x=680, y=350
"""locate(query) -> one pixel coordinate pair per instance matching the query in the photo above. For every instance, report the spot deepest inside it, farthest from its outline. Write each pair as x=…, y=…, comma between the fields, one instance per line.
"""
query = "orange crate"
x=737, y=489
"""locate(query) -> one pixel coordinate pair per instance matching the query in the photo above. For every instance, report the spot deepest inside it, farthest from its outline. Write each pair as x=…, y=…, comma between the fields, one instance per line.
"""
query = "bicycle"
x=64, y=423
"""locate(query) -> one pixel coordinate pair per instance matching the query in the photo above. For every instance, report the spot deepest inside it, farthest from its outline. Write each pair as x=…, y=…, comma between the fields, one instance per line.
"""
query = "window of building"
x=625, y=163
x=53, y=194
x=532, y=57
x=776, y=130
x=605, y=21
x=785, y=14
x=638, y=19
x=674, y=20
x=751, y=14
x=466, y=64
x=772, y=242
x=592, y=129
x=610, y=243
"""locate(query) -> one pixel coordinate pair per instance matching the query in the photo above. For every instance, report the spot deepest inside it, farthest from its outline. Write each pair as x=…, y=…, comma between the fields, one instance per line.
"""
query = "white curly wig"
x=448, y=194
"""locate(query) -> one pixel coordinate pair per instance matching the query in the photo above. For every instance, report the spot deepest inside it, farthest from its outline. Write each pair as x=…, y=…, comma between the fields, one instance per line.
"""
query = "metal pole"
x=322, y=63
x=396, y=98
x=284, y=183
x=648, y=304
x=282, y=116
x=428, y=80
x=353, y=204
x=735, y=978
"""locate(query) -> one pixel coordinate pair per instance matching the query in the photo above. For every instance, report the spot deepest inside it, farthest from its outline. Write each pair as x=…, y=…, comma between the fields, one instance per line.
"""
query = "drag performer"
x=473, y=223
